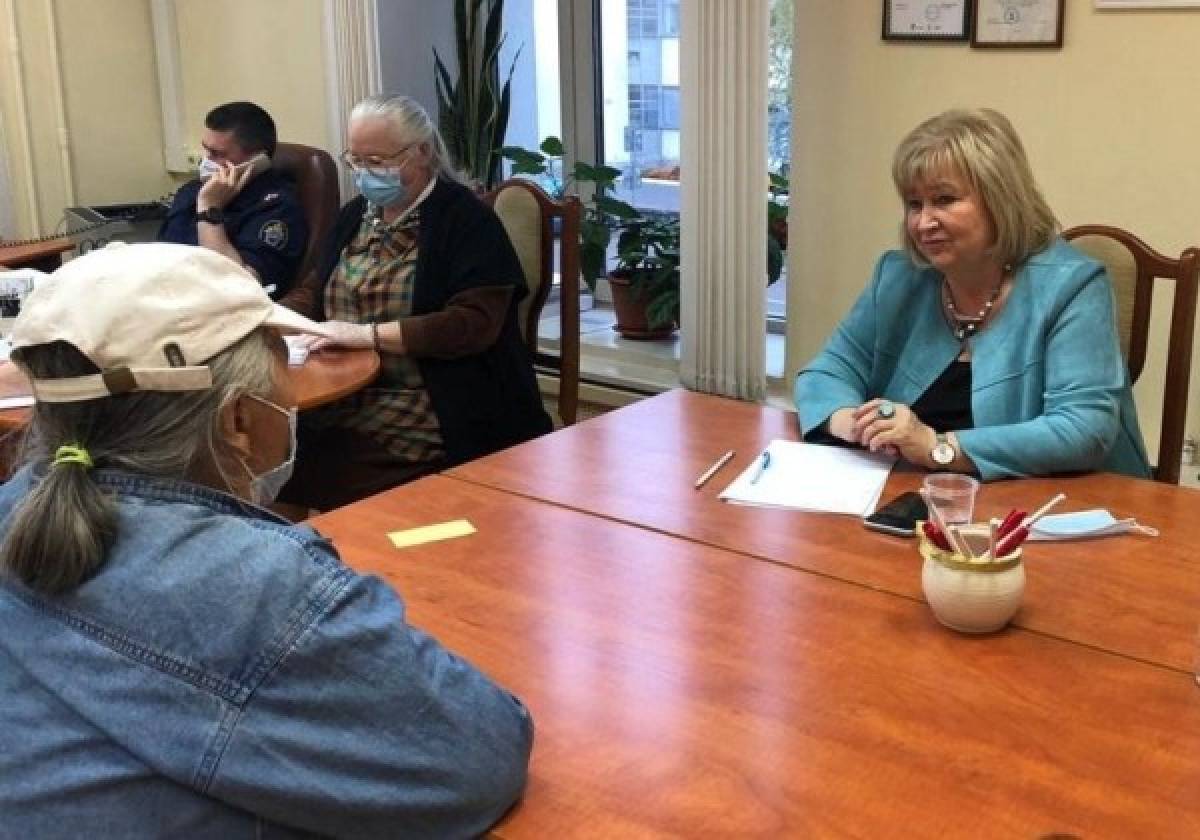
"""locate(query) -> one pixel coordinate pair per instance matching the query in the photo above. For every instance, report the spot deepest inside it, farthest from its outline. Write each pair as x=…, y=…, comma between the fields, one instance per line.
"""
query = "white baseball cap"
x=148, y=316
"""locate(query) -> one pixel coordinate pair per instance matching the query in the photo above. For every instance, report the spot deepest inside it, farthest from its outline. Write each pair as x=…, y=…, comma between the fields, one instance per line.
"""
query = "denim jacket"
x=1049, y=389
x=225, y=675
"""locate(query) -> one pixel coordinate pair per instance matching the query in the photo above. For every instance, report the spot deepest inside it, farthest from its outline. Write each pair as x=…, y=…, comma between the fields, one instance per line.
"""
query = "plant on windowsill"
x=645, y=278
x=778, y=190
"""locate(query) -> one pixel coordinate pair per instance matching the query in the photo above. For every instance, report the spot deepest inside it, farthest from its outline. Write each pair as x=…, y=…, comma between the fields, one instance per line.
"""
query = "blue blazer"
x=1049, y=388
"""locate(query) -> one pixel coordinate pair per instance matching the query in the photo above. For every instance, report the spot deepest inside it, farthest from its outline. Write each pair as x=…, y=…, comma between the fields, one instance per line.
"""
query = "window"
x=779, y=132
x=638, y=117
x=535, y=107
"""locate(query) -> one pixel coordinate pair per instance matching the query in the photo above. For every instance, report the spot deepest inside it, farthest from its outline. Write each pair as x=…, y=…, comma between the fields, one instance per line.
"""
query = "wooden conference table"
x=685, y=685
x=1137, y=596
x=44, y=255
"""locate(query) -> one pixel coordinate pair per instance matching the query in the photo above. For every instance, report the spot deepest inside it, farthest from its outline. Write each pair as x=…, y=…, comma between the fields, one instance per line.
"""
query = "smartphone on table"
x=899, y=516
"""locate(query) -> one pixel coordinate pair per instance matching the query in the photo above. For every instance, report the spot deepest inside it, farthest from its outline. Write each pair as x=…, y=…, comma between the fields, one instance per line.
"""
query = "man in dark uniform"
x=240, y=206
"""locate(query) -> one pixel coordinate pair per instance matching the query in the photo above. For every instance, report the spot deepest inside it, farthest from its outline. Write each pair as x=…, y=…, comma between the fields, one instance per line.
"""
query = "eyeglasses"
x=372, y=162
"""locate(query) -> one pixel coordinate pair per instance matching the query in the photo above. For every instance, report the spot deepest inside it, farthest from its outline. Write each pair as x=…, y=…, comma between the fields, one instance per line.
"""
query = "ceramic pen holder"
x=971, y=596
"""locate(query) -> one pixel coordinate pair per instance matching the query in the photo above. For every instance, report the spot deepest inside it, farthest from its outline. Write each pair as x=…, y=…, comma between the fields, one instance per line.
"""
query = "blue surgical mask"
x=382, y=190
x=265, y=488
x=1085, y=524
x=207, y=168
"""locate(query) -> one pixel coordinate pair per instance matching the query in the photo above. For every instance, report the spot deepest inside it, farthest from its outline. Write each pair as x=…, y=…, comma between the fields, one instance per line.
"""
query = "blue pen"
x=764, y=461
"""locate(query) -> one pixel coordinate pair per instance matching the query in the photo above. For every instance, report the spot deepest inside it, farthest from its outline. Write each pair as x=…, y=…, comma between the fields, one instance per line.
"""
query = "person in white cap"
x=174, y=659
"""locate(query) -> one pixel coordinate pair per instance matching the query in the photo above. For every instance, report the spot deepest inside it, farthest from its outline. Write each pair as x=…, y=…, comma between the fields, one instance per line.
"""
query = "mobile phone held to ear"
x=899, y=516
x=257, y=165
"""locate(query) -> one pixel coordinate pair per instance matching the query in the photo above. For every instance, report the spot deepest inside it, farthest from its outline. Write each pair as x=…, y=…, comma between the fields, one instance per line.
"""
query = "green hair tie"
x=73, y=453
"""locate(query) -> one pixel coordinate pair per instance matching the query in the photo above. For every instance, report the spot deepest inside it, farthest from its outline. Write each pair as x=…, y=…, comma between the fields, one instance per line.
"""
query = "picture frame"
x=926, y=20
x=1148, y=4
x=1018, y=23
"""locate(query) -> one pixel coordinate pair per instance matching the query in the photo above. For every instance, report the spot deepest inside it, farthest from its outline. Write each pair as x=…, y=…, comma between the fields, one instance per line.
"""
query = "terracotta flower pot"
x=631, y=312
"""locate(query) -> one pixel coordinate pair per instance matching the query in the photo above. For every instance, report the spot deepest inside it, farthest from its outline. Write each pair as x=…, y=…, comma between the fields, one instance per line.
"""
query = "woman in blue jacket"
x=989, y=345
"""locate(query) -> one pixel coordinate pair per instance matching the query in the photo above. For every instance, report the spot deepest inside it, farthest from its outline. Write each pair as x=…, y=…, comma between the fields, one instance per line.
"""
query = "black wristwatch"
x=213, y=215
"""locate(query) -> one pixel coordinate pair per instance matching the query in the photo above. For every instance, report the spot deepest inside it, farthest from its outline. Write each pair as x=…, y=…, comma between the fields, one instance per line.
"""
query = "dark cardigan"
x=484, y=402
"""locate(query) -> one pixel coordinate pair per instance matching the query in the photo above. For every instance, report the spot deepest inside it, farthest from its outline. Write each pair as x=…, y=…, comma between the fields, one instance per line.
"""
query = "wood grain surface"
x=1135, y=595
x=683, y=690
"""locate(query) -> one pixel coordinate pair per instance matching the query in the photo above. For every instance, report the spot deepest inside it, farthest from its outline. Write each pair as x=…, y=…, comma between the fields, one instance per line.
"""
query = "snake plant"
x=473, y=107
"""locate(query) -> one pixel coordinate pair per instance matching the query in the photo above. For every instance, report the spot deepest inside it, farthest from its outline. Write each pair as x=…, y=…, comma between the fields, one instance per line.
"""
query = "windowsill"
x=653, y=366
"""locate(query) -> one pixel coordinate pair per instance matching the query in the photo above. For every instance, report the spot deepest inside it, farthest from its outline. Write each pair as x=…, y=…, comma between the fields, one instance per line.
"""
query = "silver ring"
x=886, y=410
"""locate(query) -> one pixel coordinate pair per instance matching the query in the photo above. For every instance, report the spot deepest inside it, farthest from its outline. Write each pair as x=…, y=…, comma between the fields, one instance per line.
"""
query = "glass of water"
x=954, y=496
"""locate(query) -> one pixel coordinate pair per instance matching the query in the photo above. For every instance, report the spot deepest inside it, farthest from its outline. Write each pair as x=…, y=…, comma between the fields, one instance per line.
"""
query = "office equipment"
x=94, y=227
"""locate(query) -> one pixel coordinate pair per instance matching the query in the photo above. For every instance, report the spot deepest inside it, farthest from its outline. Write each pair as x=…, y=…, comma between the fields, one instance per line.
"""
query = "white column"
x=723, y=262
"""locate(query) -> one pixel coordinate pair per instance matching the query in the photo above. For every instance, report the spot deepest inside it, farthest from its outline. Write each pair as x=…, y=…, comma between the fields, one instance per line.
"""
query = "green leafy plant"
x=473, y=107
x=647, y=243
x=778, y=190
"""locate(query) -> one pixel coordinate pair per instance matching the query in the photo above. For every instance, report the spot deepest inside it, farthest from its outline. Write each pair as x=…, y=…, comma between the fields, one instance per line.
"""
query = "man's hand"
x=222, y=186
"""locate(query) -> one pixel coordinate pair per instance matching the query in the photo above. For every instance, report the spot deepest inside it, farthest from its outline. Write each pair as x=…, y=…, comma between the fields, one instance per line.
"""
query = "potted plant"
x=473, y=106
x=645, y=278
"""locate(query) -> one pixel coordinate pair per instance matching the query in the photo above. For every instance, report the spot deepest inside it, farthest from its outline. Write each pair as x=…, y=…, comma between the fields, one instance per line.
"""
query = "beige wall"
x=1111, y=123
x=105, y=59
x=225, y=56
x=113, y=117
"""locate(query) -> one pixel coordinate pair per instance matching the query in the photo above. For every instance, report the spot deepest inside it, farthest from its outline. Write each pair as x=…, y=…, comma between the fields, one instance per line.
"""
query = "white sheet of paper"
x=297, y=350
x=808, y=476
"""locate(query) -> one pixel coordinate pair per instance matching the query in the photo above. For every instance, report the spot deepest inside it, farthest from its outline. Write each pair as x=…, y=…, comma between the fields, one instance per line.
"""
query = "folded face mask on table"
x=1085, y=524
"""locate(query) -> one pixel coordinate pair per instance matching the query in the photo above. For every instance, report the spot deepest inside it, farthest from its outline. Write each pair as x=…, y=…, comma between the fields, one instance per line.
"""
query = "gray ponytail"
x=59, y=534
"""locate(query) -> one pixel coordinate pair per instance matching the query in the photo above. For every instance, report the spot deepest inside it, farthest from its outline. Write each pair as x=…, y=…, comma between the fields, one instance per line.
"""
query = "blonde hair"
x=981, y=146
x=411, y=124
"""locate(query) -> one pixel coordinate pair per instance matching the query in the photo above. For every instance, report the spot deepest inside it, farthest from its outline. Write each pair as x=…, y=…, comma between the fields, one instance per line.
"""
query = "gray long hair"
x=412, y=124
x=59, y=534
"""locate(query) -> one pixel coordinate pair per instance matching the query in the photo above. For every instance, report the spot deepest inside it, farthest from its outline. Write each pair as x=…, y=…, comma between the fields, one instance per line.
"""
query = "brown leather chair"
x=1134, y=266
x=528, y=215
x=316, y=178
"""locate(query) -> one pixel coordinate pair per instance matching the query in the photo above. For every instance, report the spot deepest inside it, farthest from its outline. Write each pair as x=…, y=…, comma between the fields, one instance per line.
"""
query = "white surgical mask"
x=1084, y=524
x=265, y=488
x=207, y=168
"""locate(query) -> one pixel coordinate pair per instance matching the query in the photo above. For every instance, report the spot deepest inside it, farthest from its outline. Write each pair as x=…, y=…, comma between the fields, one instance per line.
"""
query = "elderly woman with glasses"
x=420, y=269
x=988, y=345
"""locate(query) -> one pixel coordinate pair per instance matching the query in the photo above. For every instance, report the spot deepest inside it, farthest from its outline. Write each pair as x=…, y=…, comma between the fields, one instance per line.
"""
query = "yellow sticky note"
x=431, y=533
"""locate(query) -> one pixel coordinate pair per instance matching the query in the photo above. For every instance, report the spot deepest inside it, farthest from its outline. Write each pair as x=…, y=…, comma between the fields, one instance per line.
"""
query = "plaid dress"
x=373, y=283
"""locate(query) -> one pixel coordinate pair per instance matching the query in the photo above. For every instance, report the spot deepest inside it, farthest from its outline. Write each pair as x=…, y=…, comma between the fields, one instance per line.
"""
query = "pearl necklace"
x=965, y=326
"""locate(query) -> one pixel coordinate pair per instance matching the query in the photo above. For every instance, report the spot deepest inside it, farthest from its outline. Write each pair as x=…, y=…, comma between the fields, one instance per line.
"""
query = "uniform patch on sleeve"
x=274, y=234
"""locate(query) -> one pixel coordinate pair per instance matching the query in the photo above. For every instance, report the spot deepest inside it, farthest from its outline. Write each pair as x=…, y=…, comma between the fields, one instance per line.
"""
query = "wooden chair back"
x=1134, y=268
x=534, y=221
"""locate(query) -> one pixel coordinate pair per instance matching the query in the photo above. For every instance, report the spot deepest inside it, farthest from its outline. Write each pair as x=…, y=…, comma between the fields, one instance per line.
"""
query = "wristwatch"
x=212, y=215
x=943, y=451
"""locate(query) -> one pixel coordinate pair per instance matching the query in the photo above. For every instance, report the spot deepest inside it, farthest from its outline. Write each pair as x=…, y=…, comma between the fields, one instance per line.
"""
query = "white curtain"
x=723, y=55
x=353, y=41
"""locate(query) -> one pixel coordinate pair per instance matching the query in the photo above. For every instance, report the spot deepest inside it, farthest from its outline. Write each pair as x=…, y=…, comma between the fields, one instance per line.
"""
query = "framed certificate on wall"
x=1018, y=23
x=926, y=20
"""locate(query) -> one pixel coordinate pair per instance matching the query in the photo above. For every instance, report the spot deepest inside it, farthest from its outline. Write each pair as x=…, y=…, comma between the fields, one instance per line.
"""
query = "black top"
x=264, y=222
x=946, y=404
x=490, y=400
